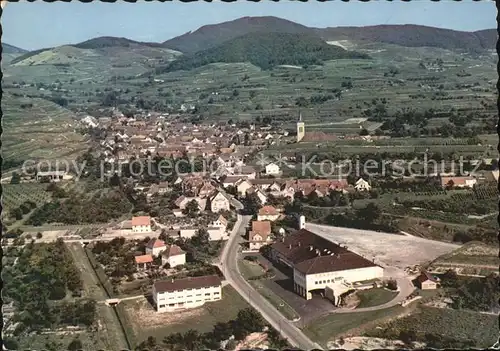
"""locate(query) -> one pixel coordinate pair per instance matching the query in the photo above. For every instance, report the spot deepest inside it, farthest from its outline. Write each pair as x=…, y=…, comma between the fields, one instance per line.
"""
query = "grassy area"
x=458, y=325
x=14, y=195
x=146, y=322
x=251, y=270
x=374, y=297
x=281, y=305
x=326, y=328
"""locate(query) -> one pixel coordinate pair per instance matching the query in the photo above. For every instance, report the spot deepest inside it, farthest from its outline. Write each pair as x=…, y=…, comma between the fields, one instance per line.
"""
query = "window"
x=189, y=296
x=189, y=301
x=161, y=306
x=198, y=294
x=171, y=304
x=216, y=293
x=207, y=294
x=198, y=300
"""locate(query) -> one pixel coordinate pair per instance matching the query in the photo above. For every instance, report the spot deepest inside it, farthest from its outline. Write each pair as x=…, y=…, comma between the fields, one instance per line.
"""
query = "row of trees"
x=99, y=208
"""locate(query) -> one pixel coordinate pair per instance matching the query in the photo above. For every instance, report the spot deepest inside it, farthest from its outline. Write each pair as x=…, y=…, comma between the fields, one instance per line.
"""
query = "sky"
x=40, y=24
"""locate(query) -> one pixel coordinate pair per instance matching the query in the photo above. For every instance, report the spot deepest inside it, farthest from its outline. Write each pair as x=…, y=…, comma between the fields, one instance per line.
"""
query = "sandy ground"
x=49, y=235
x=385, y=249
x=252, y=341
x=143, y=314
x=366, y=343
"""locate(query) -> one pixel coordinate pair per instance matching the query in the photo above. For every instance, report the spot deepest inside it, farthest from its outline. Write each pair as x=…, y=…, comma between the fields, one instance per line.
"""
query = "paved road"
x=229, y=266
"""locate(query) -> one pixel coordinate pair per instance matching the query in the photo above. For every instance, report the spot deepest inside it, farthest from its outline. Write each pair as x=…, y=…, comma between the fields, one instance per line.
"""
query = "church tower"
x=301, y=128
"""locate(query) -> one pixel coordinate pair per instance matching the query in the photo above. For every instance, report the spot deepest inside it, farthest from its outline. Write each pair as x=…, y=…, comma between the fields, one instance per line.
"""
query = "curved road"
x=229, y=266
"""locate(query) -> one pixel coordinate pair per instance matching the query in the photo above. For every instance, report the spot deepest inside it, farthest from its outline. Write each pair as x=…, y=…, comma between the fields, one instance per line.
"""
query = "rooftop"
x=141, y=220
x=187, y=283
x=144, y=259
x=312, y=254
x=155, y=243
x=172, y=250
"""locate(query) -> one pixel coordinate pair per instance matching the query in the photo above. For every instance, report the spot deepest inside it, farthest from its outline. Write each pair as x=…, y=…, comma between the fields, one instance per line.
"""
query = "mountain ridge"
x=11, y=49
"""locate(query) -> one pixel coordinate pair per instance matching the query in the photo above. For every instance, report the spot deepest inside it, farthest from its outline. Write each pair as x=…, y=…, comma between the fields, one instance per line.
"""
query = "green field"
x=374, y=297
x=328, y=327
x=144, y=321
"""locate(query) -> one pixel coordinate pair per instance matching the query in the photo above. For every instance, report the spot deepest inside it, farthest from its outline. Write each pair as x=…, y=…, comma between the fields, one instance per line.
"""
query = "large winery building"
x=318, y=263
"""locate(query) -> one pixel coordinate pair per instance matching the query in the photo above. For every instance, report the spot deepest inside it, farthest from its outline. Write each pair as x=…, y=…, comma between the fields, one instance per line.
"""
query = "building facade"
x=317, y=263
x=185, y=293
x=141, y=224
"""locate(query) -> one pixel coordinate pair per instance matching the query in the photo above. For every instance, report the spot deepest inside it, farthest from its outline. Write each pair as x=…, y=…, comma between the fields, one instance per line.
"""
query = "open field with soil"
x=389, y=249
x=145, y=321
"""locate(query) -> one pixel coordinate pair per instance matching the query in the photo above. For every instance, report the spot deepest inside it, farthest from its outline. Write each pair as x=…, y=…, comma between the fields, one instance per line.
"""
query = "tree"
x=16, y=178
x=370, y=213
x=75, y=345
x=192, y=209
x=39, y=235
x=364, y=132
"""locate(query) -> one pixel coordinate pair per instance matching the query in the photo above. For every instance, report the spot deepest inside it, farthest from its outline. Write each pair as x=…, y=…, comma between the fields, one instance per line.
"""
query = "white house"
x=217, y=233
x=362, y=185
x=187, y=233
x=220, y=222
x=242, y=186
x=155, y=247
x=273, y=169
x=260, y=194
x=141, y=224
x=171, y=295
x=174, y=256
x=318, y=263
x=219, y=202
x=260, y=234
x=268, y=213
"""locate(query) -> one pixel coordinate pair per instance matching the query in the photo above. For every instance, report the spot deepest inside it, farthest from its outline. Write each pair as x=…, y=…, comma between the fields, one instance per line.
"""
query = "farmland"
x=15, y=194
x=444, y=328
x=37, y=129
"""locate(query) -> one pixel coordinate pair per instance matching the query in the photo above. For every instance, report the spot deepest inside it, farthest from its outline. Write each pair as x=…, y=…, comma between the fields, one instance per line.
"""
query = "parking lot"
x=282, y=285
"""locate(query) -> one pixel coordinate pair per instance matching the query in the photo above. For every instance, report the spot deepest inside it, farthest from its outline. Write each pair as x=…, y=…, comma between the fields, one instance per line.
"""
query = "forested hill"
x=266, y=50
x=10, y=49
x=414, y=36
x=210, y=36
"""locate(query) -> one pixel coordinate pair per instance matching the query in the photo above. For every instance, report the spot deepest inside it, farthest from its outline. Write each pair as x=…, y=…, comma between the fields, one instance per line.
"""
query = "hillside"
x=104, y=42
x=266, y=50
x=414, y=36
x=10, y=49
x=213, y=35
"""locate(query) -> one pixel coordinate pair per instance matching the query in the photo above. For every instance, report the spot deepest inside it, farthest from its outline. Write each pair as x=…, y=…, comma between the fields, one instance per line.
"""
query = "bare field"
x=387, y=249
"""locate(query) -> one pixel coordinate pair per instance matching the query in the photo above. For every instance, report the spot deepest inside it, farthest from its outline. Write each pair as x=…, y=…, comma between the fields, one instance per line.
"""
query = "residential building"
x=173, y=255
x=362, y=185
x=317, y=263
x=242, y=187
x=171, y=295
x=220, y=222
x=155, y=247
x=427, y=281
x=219, y=202
x=259, y=193
x=459, y=182
x=268, y=213
x=259, y=235
x=217, y=233
x=187, y=233
x=182, y=202
x=273, y=169
x=141, y=224
x=143, y=262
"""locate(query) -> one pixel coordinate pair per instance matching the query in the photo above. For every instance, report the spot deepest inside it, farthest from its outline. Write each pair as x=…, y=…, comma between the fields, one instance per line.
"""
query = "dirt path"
x=109, y=330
